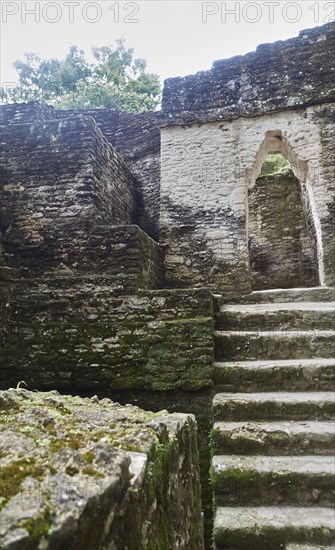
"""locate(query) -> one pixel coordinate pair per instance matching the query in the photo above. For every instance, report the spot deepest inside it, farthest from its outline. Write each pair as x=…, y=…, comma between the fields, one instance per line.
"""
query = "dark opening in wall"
x=281, y=244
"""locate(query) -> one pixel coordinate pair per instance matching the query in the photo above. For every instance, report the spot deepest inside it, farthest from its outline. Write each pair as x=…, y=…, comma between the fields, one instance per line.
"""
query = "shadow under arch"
x=274, y=143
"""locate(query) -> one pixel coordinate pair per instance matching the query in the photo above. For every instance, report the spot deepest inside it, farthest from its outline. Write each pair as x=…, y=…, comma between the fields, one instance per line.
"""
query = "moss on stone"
x=151, y=344
x=89, y=456
x=13, y=474
x=37, y=527
x=89, y=471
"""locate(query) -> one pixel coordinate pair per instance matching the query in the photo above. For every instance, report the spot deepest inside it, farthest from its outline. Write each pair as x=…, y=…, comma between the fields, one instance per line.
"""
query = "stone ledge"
x=82, y=469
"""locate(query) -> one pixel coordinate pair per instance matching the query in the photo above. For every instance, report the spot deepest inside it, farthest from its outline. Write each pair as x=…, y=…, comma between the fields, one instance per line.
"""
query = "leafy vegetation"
x=273, y=164
x=115, y=79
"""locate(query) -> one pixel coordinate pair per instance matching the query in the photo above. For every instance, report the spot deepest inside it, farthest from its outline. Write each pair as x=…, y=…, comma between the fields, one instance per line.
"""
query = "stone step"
x=270, y=528
x=274, y=438
x=270, y=344
x=269, y=375
x=271, y=406
x=273, y=480
x=278, y=316
x=313, y=294
x=308, y=547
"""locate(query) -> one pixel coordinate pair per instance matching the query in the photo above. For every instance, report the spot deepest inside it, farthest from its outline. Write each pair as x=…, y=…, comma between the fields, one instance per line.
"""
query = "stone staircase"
x=273, y=440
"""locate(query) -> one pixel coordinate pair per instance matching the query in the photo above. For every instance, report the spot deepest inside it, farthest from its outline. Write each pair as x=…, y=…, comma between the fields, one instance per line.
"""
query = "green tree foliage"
x=114, y=79
x=273, y=164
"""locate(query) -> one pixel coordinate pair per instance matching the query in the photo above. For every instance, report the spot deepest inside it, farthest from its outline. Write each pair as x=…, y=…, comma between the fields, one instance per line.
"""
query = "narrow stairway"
x=273, y=440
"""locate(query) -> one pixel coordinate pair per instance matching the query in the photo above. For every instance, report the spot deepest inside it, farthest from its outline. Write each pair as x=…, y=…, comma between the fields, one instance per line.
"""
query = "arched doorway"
x=281, y=224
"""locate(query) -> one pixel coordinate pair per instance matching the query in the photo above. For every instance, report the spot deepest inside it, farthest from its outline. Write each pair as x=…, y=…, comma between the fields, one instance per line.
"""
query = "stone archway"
x=282, y=227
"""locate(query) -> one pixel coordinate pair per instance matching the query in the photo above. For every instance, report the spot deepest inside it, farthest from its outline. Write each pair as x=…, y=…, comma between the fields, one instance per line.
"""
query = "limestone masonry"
x=130, y=478
x=146, y=259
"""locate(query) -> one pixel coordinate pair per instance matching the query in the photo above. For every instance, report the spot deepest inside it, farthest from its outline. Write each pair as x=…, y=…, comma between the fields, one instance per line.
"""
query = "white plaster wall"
x=207, y=167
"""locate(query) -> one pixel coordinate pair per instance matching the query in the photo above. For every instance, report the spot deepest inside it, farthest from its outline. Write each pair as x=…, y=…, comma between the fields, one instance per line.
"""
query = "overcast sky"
x=175, y=37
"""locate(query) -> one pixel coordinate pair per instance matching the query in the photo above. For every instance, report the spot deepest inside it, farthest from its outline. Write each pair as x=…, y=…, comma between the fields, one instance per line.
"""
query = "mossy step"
x=274, y=438
x=312, y=294
x=273, y=344
x=267, y=375
x=270, y=528
x=274, y=406
x=273, y=480
x=290, y=315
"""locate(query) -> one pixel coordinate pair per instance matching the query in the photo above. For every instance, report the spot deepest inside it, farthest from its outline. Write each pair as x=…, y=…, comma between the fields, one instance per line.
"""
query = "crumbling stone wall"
x=18, y=113
x=206, y=161
x=281, y=248
x=217, y=128
x=138, y=141
x=58, y=178
x=327, y=175
x=137, y=138
x=280, y=76
x=81, y=333
x=83, y=473
x=206, y=171
x=3, y=223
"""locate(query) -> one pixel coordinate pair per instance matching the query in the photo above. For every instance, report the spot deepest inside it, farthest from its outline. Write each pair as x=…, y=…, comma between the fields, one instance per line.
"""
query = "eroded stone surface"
x=205, y=171
x=281, y=246
x=83, y=473
x=273, y=446
x=274, y=438
x=269, y=527
x=274, y=344
x=95, y=339
x=271, y=480
x=266, y=80
x=308, y=547
x=274, y=405
x=288, y=374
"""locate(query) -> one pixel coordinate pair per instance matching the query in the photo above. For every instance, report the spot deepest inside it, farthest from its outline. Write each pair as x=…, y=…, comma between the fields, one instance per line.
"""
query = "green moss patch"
x=12, y=475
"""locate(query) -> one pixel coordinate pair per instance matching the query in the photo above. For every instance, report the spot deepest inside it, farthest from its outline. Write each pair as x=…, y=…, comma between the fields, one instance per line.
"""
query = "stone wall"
x=83, y=473
x=125, y=256
x=217, y=128
x=58, y=178
x=199, y=403
x=206, y=172
x=327, y=175
x=77, y=334
x=283, y=75
x=137, y=138
x=21, y=113
x=281, y=245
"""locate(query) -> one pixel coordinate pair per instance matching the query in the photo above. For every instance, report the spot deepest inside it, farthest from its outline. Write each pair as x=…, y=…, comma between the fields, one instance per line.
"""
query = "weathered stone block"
x=71, y=334
x=83, y=473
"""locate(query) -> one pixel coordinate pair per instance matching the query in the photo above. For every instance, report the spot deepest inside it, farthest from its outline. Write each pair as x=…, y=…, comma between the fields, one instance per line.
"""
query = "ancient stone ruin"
x=95, y=474
x=147, y=263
